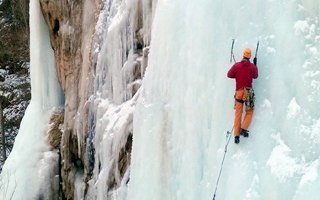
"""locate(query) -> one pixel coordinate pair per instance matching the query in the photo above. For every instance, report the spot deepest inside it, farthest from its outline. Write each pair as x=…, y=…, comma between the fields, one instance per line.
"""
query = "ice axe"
x=232, y=55
x=255, y=57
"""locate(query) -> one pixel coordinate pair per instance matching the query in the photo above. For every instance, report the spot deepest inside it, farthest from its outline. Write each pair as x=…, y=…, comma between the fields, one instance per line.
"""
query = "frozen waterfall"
x=186, y=105
x=27, y=169
x=180, y=115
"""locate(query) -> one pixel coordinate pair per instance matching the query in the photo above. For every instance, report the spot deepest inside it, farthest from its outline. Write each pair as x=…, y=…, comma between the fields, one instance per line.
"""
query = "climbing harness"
x=248, y=100
x=228, y=136
x=232, y=54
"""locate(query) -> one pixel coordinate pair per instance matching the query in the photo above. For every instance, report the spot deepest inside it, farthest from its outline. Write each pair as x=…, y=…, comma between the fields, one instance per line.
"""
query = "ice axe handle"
x=257, y=49
x=232, y=55
x=255, y=57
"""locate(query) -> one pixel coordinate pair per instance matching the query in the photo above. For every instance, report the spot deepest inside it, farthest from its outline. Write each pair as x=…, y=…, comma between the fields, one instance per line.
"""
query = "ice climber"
x=244, y=72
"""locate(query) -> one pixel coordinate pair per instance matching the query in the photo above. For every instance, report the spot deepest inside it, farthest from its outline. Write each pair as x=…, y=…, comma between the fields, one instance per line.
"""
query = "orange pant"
x=241, y=94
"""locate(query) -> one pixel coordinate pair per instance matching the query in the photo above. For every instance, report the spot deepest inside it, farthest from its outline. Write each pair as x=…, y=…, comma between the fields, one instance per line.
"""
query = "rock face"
x=52, y=191
x=98, y=60
x=70, y=31
x=54, y=132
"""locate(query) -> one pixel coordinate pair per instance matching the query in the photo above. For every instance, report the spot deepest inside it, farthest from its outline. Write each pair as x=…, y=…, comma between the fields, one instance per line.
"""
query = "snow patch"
x=270, y=50
x=301, y=27
x=252, y=192
x=313, y=51
x=266, y=104
x=293, y=109
x=281, y=164
x=310, y=174
x=315, y=132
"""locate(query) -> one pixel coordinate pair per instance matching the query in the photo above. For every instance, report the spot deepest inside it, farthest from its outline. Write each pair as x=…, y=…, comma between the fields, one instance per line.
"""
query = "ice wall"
x=26, y=171
x=123, y=30
x=186, y=105
x=123, y=34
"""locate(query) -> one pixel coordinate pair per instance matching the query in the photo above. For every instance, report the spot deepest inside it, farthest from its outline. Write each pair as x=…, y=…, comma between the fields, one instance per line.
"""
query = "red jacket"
x=243, y=72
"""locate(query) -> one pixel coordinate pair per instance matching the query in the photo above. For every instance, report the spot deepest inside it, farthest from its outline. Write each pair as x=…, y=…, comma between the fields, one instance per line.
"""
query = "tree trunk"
x=4, y=156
